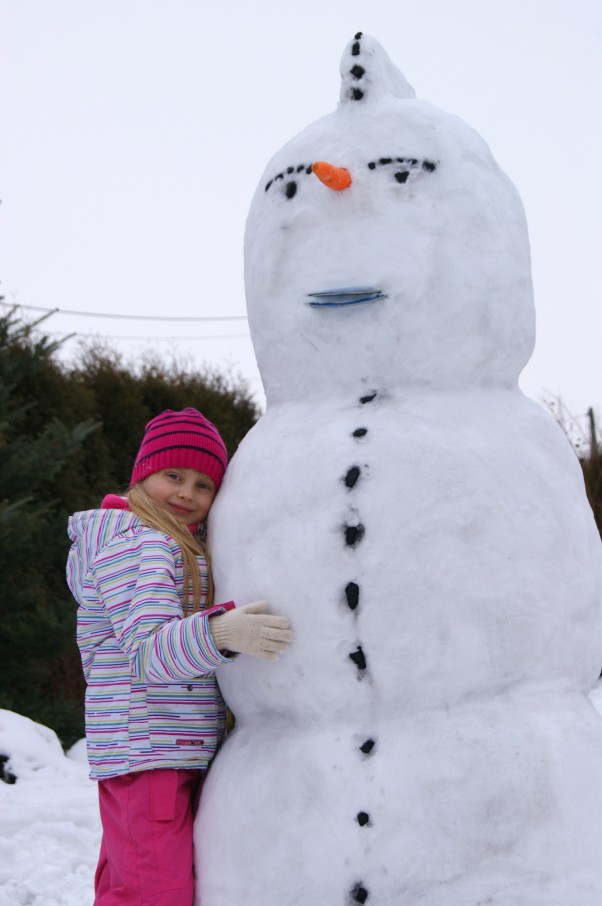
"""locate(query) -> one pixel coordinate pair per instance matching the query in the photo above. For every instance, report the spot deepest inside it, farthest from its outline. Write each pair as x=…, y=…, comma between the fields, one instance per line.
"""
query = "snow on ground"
x=49, y=824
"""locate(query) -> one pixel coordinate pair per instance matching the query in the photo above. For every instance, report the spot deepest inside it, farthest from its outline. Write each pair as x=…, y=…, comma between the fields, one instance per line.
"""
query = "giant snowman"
x=427, y=740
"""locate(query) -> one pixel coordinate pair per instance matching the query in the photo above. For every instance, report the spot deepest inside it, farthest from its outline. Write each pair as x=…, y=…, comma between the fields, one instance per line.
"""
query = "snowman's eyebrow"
x=298, y=168
x=412, y=162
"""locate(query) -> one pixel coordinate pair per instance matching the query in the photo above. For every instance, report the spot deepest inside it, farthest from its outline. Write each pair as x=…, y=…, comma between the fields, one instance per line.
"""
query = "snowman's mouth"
x=333, y=298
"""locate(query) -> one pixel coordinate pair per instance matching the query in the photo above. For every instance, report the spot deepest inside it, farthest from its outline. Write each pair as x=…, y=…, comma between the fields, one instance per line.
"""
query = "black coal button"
x=354, y=534
x=352, y=593
x=359, y=658
x=352, y=476
x=359, y=894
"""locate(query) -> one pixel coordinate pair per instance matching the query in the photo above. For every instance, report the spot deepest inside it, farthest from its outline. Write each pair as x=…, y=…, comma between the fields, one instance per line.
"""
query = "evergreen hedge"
x=68, y=436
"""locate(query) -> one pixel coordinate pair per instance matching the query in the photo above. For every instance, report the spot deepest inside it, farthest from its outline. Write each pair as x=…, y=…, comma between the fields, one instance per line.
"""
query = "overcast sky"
x=135, y=131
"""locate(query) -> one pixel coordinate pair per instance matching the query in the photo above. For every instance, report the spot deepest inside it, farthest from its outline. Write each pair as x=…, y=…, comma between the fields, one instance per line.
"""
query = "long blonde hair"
x=190, y=545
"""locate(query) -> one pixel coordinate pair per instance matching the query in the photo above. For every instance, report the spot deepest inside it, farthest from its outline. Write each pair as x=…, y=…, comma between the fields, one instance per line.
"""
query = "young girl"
x=150, y=643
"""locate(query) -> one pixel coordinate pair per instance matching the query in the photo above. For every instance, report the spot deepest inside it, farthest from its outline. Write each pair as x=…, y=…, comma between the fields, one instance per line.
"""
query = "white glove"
x=250, y=630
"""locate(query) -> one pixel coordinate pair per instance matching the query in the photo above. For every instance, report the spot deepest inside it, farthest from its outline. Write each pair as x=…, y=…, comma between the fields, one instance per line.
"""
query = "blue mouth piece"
x=334, y=298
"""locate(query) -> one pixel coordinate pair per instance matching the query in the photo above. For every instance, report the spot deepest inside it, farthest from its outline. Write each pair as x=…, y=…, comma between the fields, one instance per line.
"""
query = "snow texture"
x=49, y=825
x=427, y=740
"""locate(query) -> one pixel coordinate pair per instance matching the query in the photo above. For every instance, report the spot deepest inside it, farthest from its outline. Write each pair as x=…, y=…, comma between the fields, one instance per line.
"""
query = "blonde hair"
x=191, y=546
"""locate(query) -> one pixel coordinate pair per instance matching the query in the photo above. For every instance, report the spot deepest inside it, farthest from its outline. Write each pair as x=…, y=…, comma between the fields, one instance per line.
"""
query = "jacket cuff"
x=209, y=651
x=219, y=608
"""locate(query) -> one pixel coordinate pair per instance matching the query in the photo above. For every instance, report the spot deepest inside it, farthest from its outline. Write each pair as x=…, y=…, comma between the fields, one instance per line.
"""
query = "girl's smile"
x=178, y=509
x=186, y=493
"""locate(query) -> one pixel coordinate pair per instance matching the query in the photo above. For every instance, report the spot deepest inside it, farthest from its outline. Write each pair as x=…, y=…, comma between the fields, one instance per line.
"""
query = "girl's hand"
x=250, y=630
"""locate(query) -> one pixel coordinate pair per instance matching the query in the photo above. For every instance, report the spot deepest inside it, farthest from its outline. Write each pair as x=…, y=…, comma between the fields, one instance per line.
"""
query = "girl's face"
x=185, y=493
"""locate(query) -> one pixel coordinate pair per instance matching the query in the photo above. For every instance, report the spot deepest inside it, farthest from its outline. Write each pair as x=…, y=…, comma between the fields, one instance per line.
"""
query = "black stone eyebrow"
x=412, y=162
x=298, y=168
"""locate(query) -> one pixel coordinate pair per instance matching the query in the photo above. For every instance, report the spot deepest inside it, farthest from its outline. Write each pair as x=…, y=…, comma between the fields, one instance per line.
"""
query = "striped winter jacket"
x=152, y=700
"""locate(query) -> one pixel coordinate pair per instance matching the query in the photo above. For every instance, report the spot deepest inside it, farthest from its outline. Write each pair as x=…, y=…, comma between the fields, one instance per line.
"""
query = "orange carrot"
x=337, y=178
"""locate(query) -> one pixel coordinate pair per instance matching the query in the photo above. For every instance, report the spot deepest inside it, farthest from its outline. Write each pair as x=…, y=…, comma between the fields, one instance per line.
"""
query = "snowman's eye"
x=289, y=185
x=403, y=168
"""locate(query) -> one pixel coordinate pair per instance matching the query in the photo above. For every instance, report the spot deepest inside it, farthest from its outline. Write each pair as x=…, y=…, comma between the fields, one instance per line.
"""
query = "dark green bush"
x=68, y=435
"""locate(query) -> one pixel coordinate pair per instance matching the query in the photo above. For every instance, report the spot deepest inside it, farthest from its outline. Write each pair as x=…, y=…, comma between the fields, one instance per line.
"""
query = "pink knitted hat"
x=184, y=440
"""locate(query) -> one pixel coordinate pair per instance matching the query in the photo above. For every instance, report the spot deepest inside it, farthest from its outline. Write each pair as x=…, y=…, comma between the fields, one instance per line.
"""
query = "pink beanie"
x=184, y=440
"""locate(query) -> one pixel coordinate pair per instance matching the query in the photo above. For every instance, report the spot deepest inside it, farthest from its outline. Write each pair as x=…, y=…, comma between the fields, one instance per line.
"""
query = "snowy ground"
x=49, y=825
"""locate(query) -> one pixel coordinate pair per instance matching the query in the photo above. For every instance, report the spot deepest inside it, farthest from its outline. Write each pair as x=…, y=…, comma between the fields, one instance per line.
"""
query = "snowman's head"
x=385, y=248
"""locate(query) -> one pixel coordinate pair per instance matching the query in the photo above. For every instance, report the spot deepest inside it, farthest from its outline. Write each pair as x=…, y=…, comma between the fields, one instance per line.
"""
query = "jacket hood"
x=90, y=531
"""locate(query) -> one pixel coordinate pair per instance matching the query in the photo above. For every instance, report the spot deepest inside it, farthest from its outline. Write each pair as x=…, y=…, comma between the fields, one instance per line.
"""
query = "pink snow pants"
x=146, y=849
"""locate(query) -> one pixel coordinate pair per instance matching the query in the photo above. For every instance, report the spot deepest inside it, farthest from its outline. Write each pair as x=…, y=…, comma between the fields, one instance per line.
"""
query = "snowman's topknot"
x=368, y=74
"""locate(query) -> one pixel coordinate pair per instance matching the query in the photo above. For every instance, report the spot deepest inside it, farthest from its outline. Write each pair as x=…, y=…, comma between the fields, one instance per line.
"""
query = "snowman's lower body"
x=496, y=801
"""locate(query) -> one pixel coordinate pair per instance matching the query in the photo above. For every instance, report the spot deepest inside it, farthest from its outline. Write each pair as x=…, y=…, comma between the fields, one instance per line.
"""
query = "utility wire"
x=108, y=336
x=98, y=314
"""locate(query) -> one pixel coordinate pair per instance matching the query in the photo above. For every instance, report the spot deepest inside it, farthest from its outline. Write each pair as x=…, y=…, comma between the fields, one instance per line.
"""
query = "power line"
x=97, y=314
x=107, y=336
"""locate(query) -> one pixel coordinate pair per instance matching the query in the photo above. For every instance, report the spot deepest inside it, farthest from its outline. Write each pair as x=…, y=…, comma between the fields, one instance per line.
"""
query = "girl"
x=150, y=643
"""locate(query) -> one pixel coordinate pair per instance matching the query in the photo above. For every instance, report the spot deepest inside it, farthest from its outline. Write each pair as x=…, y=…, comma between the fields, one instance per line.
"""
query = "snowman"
x=427, y=740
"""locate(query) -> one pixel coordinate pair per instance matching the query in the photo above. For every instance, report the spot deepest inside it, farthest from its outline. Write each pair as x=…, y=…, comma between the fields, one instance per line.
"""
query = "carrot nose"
x=337, y=178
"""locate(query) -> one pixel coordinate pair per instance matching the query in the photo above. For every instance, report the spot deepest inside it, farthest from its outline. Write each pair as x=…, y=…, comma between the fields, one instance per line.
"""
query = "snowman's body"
x=427, y=739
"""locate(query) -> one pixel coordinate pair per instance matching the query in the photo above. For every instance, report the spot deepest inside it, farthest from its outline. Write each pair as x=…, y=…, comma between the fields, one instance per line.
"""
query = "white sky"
x=135, y=131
